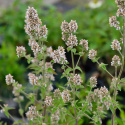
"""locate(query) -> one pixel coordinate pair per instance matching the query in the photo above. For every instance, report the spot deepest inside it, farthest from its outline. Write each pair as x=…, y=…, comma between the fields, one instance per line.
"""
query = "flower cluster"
x=50, y=87
x=32, y=22
x=93, y=81
x=72, y=41
x=69, y=27
x=67, y=30
x=114, y=23
x=115, y=61
x=34, y=47
x=92, y=54
x=84, y=44
x=113, y=83
x=65, y=95
x=20, y=51
x=59, y=55
x=9, y=79
x=57, y=93
x=33, y=79
x=16, y=92
x=103, y=96
x=116, y=45
x=49, y=51
x=121, y=10
x=55, y=117
x=32, y=113
x=48, y=101
x=76, y=79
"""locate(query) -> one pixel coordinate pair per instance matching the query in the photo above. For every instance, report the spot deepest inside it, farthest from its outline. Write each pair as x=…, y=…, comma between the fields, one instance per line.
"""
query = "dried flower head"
x=32, y=22
x=20, y=51
x=116, y=45
x=93, y=81
x=84, y=44
x=59, y=55
x=48, y=101
x=33, y=79
x=65, y=96
x=32, y=113
x=114, y=23
x=73, y=26
x=92, y=54
x=115, y=61
x=57, y=93
x=65, y=27
x=9, y=79
x=72, y=41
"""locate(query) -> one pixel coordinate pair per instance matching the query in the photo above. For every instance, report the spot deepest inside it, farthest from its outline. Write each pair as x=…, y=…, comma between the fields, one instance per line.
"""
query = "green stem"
x=122, y=66
x=74, y=89
x=105, y=69
x=21, y=109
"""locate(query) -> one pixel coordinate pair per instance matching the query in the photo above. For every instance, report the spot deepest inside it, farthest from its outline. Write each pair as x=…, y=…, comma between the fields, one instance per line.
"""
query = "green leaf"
x=77, y=67
x=102, y=65
x=21, y=111
x=50, y=70
x=73, y=50
x=119, y=87
x=68, y=49
x=6, y=113
x=68, y=70
x=122, y=80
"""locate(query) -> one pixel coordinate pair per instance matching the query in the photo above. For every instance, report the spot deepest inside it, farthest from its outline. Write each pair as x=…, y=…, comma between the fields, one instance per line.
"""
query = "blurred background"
x=92, y=17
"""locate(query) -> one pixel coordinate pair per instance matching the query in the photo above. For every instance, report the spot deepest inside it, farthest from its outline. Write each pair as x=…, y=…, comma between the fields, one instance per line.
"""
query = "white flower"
x=95, y=4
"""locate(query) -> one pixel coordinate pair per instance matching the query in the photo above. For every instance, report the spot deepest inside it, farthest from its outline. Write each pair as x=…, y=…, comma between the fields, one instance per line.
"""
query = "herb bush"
x=66, y=105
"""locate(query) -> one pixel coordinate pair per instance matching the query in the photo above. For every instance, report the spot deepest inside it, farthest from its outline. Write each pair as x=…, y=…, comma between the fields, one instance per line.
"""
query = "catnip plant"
x=64, y=105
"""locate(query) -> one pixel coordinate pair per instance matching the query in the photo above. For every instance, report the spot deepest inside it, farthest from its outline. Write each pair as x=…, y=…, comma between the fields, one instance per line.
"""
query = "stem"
x=45, y=107
x=78, y=61
x=105, y=70
x=44, y=113
x=74, y=89
x=122, y=66
x=22, y=114
x=115, y=93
